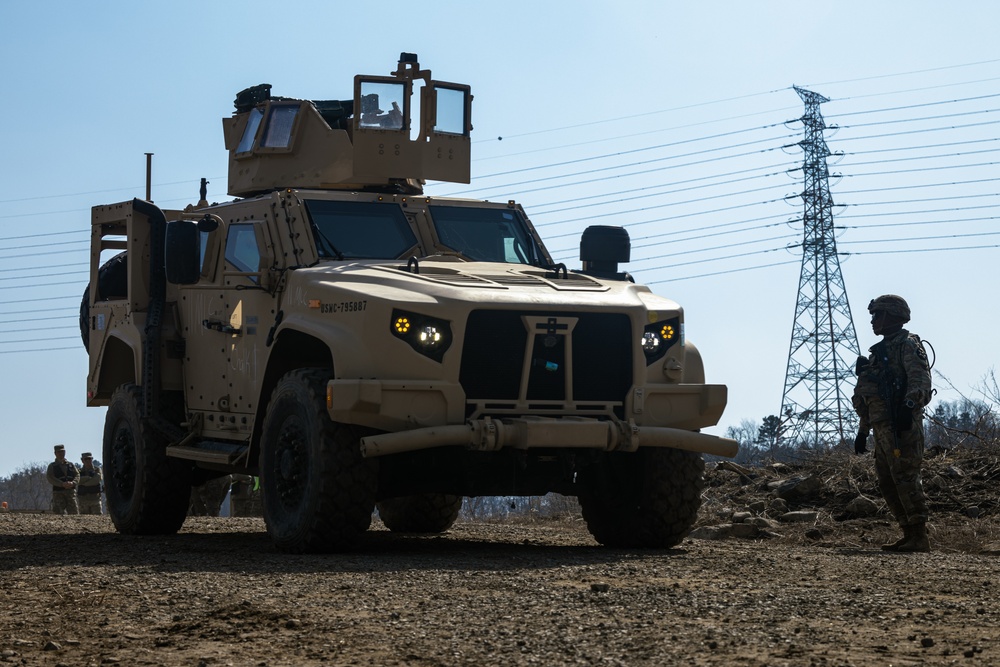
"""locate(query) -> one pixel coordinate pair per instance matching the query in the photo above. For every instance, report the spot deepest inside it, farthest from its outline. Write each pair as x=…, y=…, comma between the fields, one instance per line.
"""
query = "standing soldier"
x=89, y=492
x=894, y=385
x=207, y=498
x=239, y=495
x=64, y=477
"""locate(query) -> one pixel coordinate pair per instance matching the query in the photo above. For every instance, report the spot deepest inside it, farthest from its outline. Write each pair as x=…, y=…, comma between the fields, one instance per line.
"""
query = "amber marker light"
x=660, y=336
x=427, y=335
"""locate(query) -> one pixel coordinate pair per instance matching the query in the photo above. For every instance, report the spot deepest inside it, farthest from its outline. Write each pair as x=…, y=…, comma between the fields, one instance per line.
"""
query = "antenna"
x=816, y=406
x=149, y=177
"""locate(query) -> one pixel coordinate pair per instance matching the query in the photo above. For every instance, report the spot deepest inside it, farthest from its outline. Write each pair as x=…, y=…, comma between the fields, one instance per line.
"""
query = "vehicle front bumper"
x=424, y=415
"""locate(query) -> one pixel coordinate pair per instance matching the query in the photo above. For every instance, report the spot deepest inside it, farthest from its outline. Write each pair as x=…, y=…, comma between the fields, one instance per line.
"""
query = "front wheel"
x=319, y=493
x=422, y=513
x=147, y=492
x=649, y=498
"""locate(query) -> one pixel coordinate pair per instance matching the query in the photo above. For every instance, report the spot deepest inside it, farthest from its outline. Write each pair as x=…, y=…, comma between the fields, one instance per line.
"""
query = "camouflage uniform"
x=59, y=473
x=241, y=496
x=89, y=491
x=207, y=498
x=899, y=447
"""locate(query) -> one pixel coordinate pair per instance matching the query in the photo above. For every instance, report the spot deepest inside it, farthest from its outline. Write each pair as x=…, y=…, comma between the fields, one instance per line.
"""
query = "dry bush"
x=961, y=484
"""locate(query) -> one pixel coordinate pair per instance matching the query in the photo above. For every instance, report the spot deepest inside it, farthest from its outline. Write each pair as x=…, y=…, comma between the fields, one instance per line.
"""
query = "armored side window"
x=485, y=234
x=382, y=105
x=241, y=248
x=250, y=133
x=280, y=121
x=360, y=230
x=451, y=106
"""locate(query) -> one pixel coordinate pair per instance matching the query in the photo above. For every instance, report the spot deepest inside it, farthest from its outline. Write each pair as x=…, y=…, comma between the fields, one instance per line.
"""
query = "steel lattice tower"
x=816, y=405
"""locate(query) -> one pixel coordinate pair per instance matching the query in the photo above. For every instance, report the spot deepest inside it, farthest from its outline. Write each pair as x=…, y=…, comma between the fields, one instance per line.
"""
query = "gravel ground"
x=76, y=593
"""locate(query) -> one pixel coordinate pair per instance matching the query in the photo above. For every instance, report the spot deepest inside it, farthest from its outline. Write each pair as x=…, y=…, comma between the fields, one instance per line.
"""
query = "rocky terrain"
x=529, y=592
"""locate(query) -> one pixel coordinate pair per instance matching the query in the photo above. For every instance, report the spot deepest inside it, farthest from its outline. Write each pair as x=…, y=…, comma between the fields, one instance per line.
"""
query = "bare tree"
x=968, y=421
x=746, y=434
x=27, y=488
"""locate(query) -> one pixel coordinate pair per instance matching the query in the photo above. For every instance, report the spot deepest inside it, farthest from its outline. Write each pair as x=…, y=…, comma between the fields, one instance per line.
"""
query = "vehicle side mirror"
x=183, y=252
x=602, y=248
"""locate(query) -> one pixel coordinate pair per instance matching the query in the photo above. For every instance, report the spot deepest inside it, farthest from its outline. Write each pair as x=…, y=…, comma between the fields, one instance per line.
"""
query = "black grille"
x=493, y=357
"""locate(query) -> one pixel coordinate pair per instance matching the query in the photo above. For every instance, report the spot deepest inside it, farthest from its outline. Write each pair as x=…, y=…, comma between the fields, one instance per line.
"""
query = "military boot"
x=894, y=546
x=918, y=540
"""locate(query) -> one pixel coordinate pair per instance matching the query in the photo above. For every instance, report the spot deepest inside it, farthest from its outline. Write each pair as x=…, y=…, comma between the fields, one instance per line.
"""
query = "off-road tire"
x=647, y=499
x=147, y=492
x=112, y=283
x=423, y=513
x=319, y=493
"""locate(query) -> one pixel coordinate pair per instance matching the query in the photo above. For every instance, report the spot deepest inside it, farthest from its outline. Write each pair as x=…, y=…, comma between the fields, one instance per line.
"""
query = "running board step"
x=208, y=452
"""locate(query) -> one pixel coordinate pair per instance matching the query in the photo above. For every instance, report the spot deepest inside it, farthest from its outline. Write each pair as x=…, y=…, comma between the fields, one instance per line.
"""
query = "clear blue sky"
x=692, y=96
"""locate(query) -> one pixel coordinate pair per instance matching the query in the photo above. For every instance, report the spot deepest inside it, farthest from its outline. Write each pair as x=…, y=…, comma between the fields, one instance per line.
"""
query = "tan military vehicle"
x=359, y=345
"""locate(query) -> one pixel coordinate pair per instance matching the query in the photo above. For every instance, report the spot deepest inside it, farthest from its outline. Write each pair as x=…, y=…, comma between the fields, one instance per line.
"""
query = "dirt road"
x=76, y=593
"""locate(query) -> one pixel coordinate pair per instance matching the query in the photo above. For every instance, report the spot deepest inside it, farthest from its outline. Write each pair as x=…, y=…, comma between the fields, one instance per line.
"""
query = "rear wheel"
x=147, y=492
x=646, y=499
x=319, y=493
x=423, y=513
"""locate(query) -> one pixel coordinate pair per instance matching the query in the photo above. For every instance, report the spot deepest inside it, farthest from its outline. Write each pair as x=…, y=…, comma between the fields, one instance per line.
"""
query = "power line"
x=34, y=236
x=648, y=148
x=667, y=185
x=47, y=266
x=8, y=331
x=39, y=319
x=913, y=120
x=42, y=349
x=42, y=254
x=63, y=282
x=894, y=252
x=508, y=186
x=719, y=247
x=37, y=340
x=919, y=71
x=135, y=188
x=916, y=106
x=920, y=131
x=658, y=194
x=46, y=275
x=719, y=273
x=795, y=261
x=919, y=90
x=913, y=148
x=42, y=298
x=46, y=245
x=641, y=115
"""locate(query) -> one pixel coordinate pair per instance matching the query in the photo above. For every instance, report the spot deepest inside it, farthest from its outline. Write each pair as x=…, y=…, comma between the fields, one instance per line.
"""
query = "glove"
x=860, y=442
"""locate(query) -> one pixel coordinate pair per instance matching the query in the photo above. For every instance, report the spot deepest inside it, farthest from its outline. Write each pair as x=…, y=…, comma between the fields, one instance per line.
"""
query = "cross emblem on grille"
x=552, y=326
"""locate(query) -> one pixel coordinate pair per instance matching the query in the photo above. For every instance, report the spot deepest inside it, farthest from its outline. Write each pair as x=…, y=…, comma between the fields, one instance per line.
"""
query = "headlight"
x=658, y=337
x=429, y=336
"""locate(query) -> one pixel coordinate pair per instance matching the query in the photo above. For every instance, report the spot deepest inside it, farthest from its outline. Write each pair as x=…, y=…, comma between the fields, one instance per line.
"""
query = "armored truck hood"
x=481, y=283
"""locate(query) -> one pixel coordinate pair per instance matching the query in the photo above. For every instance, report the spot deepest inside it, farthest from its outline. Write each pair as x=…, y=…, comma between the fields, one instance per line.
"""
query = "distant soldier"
x=64, y=477
x=240, y=495
x=207, y=498
x=894, y=385
x=89, y=491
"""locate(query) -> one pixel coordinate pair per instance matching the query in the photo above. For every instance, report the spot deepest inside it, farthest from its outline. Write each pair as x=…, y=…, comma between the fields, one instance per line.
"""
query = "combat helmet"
x=891, y=305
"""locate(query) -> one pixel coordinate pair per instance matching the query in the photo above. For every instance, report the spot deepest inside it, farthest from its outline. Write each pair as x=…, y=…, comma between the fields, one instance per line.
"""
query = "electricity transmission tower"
x=816, y=405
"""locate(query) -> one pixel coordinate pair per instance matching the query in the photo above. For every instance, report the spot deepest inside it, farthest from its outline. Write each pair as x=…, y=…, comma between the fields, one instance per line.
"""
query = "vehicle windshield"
x=486, y=234
x=360, y=230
